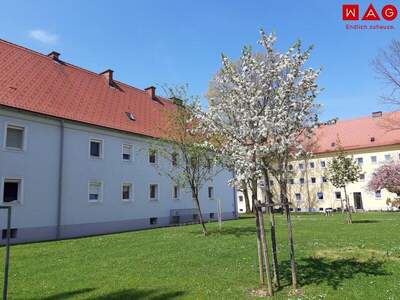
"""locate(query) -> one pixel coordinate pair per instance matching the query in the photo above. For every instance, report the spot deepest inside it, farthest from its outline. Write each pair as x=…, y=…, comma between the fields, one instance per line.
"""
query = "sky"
x=174, y=42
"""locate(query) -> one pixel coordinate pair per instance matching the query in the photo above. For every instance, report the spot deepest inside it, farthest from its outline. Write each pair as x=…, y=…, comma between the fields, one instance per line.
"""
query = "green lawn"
x=335, y=261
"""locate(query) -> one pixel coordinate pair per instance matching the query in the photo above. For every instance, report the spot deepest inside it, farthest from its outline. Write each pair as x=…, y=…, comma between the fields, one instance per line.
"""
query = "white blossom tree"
x=259, y=107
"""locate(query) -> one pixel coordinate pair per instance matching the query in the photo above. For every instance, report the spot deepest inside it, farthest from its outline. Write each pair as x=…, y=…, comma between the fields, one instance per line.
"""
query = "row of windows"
x=312, y=180
x=359, y=160
x=338, y=195
x=12, y=191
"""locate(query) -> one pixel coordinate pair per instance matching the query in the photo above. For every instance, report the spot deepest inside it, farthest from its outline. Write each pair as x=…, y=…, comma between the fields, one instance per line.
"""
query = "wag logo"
x=353, y=12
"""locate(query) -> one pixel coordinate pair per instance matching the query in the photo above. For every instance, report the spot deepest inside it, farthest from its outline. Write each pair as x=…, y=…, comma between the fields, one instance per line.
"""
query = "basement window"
x=13, y=233
x=153, y=221
x=212, y=215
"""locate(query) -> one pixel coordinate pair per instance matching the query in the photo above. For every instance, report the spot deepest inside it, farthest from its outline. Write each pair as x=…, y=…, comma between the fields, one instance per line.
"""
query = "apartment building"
x=371, y=140
x=75, y=157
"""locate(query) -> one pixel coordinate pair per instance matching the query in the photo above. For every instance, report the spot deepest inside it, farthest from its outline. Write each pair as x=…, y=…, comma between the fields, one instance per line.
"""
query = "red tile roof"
x=34, y=82
x=359, y=133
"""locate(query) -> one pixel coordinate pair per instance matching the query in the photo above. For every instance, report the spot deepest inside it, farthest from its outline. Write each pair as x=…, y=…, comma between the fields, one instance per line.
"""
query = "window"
x=153, y=192
x=338, y=195
x=271, y=182
x=298, y=196
x=359, y=160
x=324, y=179
x=388, y=157
x=175, y=194
x=212, y=215
x=302, y=180
x=12, y=190
x=291, y=181
x=95, y=191
x=127, y=152
x=174, y=159
x=378, y=194
x=323, y=164
x=320, y=196
x=14, y=138
x=240, y=198
x=374, y=159
x=13, y=233
x=127, y=192
x=153, y=221
x=313, y=180
x=96, y=150
x=312, y=165
x=152, y=156
x=290, y=167
x=301, y=166
x=195, y=217
x=362, y=177
x=210, y=192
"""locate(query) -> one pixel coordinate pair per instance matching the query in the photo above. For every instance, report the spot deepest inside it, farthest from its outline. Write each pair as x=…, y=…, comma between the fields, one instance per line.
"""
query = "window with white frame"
x=338, y=195
x=127, y=152
x=96, y=148
x=95, y=191
x=312, y=165
x=301, y=180
x=15, y=137
x=297, y=196
x=324, y=179
x=210, y=192
x=240, y=198
x=301, y=166
x=388, y=157
x=320, y=196
x=323, y=164
x=153, y=191
x=359, y=160
x=378, y=194
x=291, y=181
x=374, y=159
x=175, y=192
x=313, y=180
x=362, y=177
x=12, y=190
x=152, y=156
x=127, y=192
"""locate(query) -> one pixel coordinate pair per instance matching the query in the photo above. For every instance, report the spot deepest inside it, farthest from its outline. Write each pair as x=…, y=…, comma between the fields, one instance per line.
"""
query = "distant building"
x=372, y=140
x=75, y=159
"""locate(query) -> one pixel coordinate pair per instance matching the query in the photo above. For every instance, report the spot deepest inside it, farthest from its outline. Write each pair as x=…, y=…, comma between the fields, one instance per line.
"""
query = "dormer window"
x=130, y=116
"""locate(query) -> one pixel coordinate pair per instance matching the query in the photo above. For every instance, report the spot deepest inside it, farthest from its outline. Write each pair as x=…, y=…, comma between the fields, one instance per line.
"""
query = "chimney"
x=54, y=55
x=377, y=114
x=108, y=74
x=151, y=91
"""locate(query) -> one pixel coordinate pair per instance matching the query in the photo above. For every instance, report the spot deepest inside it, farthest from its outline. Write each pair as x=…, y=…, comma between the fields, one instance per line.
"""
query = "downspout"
x=60, y=180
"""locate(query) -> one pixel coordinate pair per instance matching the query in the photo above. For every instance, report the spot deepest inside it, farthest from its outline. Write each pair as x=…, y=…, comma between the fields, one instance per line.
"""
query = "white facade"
x=56, y=173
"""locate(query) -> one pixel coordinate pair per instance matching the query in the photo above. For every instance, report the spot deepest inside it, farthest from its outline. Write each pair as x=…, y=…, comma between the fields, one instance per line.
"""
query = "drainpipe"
x=60, y=180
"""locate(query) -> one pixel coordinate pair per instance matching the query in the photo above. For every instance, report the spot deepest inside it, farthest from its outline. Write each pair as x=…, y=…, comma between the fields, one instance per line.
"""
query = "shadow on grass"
x=120, y=295
x=313, y=270
x=67, y=295
x=140, y=294
x=235, y=231
x=364, y=221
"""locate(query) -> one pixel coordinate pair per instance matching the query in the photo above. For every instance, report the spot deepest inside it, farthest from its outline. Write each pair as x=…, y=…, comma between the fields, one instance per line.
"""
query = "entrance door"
x=357, y=200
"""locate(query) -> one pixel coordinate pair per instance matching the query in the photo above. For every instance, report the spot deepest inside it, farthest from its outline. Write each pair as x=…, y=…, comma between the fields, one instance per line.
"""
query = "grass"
x=335, y=261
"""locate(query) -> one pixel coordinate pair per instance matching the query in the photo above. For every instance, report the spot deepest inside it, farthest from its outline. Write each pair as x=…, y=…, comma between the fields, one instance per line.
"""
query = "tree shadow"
x=314, y=270
x=67, y=295
x=235, y=231
x=364, y=221
x=140, y=294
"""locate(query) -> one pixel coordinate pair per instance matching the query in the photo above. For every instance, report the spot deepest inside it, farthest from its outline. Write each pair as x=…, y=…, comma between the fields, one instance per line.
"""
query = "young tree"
x=259, y=107
x=386, y=177
x=343, y=170
x=190, y=162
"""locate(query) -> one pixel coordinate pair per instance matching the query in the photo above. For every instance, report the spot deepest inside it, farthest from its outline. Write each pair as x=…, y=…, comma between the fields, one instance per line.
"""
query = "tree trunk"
x=341, y=205
x=272, y=230
x=246, y=198
x=307, y=185
x=259, y=248
x=284, y=200
x=349, y=219
x=265, y=251
x=196, y=198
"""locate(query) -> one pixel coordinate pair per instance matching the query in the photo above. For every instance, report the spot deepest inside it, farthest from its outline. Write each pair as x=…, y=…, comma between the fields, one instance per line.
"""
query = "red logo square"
x=350, y=12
